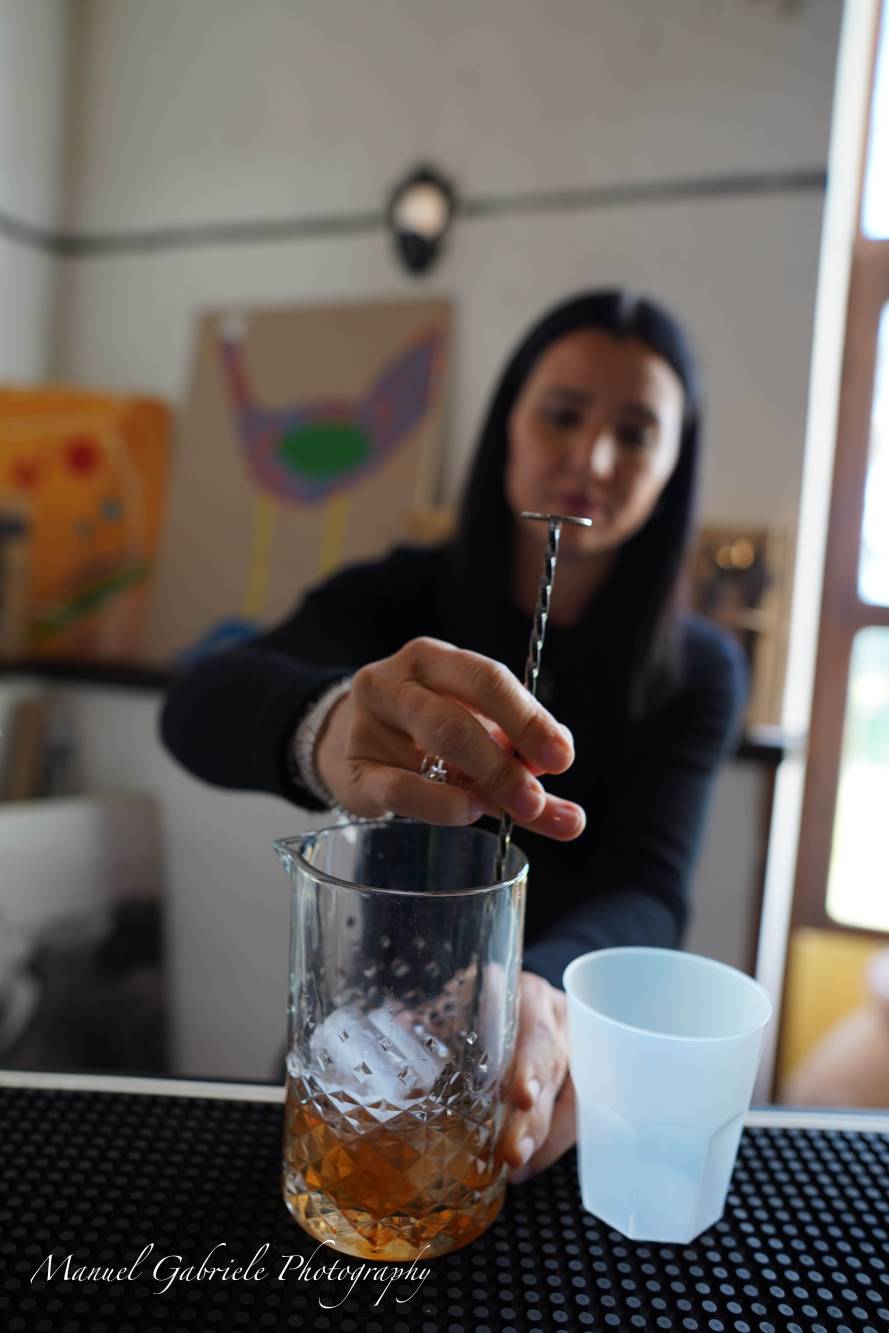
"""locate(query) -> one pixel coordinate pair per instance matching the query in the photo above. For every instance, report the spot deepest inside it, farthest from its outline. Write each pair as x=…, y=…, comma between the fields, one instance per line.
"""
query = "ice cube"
x=368, y=1052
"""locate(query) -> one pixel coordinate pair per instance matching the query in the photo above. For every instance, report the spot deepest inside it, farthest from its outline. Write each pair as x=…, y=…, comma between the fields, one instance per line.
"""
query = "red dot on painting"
x=25, y=475
x=81, y=454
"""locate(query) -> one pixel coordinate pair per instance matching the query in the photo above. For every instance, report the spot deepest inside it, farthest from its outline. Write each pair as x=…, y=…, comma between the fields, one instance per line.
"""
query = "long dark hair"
x=646, y=573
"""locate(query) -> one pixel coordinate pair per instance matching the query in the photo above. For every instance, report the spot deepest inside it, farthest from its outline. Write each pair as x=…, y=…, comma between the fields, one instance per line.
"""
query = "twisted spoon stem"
x=532, y=662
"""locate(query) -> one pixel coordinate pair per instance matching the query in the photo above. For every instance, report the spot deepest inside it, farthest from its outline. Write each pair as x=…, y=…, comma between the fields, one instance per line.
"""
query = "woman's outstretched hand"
x=433, y=698
x=541, y=1124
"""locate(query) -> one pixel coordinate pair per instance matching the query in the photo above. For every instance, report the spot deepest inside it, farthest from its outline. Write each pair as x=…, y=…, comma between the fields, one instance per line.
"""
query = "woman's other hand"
x=433, y=698
x=541, y=1125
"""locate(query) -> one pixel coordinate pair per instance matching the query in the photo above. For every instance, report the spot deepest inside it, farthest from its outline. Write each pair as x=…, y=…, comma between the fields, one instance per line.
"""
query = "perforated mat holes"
x=803, y=1246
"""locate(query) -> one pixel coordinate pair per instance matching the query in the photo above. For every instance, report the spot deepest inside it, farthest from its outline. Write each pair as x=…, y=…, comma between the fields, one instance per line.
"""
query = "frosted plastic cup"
x=664, y=1048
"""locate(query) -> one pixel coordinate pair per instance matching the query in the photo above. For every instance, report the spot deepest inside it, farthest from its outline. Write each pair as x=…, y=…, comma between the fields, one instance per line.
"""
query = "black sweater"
x=644, y=784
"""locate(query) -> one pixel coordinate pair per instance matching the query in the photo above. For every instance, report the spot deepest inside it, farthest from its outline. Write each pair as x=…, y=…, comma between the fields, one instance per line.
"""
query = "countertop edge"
x=758, y=1117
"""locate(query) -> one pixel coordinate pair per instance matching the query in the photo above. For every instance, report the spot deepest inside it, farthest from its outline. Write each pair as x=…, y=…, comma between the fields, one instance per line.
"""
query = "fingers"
x=380, y=788
x=398, y=716
x=381, y=773
x=562, y=1134
x=444, y=727
x=561, y=820
x=541, y=1070
x=534, y=1122
x=440, y=725
x=489, y=686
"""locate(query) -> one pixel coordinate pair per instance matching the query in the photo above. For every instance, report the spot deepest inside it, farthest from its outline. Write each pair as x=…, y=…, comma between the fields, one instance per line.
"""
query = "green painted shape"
x=89, y=600
x=324, y=449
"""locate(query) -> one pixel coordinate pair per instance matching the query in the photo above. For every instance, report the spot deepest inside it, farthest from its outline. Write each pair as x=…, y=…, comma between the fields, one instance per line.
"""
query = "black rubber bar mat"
x=803, y=1245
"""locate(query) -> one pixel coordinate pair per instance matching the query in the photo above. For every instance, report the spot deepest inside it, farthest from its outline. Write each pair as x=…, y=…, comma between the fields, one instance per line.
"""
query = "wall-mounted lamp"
x=421, y=209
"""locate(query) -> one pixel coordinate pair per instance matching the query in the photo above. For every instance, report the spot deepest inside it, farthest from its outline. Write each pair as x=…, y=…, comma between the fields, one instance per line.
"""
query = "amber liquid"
x=393, y=1182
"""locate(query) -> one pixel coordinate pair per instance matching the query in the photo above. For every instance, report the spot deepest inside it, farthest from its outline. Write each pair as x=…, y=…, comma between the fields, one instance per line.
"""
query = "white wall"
x=27, y=289
x=215, y=110
x=33, y=91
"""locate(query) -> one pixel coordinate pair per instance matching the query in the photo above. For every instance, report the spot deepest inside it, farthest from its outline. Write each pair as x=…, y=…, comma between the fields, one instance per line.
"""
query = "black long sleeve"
x=228, y=719
x=637, y=873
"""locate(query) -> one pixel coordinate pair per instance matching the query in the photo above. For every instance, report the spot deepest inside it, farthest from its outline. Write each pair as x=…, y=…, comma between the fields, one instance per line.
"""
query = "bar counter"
x=149, y=1184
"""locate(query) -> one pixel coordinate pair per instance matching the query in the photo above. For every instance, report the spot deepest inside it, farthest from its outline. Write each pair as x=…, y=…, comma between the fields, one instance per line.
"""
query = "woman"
x=597, y=414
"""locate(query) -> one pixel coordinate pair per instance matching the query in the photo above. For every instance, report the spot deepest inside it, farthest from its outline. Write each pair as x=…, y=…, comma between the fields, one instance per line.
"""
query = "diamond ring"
x=434, y=768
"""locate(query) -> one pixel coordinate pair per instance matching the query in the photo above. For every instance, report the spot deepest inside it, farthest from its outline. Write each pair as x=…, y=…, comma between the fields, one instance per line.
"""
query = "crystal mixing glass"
x=404, y=970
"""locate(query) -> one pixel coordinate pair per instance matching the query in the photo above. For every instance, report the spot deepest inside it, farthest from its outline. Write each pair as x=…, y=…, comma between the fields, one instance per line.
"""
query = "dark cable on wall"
x=70, y=245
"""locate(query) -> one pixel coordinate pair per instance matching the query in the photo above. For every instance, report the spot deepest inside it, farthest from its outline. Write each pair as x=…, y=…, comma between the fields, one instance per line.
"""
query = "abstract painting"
x=310, y=438
x=82, y=487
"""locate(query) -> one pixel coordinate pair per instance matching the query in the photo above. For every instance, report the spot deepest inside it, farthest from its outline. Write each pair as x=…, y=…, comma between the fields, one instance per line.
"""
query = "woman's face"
x=594, y=432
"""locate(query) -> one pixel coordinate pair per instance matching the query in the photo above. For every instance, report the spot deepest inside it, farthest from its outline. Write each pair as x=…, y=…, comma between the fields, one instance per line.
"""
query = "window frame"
x=843, y=613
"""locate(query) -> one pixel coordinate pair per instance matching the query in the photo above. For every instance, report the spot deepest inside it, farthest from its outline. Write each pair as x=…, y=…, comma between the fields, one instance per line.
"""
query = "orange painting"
x=82, y=487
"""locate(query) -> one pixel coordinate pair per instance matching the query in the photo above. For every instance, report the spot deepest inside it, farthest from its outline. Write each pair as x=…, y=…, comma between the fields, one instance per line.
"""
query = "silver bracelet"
x=301, y=751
